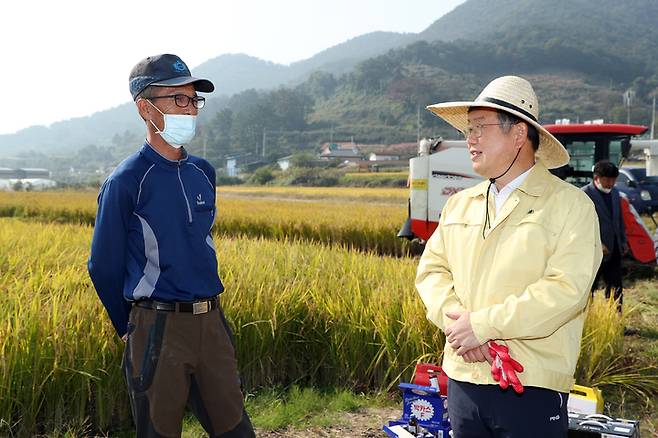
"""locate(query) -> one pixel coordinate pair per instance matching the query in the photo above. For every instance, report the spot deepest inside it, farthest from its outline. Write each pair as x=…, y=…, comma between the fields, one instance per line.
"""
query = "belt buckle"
x=200, y=307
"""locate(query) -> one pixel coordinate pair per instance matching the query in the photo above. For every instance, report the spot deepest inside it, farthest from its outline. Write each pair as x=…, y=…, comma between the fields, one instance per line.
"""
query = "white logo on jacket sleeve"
x=200, y=201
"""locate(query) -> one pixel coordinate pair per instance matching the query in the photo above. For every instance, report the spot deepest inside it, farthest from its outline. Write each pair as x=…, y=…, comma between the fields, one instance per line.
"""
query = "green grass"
x=272, y=409
x=302, y=408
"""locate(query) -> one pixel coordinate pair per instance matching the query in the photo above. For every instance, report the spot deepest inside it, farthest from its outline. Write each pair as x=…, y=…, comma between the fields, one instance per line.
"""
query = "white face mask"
x=600, y=187
x=179, y=129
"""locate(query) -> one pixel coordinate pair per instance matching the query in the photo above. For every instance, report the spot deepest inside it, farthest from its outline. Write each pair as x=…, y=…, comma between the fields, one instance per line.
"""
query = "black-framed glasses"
x=183, y=100
x=476, y=131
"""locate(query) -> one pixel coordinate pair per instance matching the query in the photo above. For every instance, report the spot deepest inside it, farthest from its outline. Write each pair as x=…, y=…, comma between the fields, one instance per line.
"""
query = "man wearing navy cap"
x=154, y=266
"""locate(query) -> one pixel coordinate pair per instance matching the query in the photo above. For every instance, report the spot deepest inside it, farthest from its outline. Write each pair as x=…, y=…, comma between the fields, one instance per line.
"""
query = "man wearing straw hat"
x=506, y=275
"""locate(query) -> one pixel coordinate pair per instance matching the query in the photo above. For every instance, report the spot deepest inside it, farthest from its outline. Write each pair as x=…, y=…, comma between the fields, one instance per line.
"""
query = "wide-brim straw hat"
x=513, y=95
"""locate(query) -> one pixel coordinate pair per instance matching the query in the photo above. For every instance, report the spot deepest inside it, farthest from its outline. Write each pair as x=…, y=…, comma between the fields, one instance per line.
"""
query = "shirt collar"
x=155, y=156
x=533, y=184
x=512, y=185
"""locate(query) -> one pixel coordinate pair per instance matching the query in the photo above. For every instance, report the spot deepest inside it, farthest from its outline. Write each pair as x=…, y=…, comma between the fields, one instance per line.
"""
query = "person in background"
x=607, y=201
x=154, y=266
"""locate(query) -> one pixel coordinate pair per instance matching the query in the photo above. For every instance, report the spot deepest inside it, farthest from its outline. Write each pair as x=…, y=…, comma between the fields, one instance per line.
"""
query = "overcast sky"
x=63, y=59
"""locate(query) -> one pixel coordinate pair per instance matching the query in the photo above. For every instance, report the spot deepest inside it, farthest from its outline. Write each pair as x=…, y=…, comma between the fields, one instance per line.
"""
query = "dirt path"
x=364, y=423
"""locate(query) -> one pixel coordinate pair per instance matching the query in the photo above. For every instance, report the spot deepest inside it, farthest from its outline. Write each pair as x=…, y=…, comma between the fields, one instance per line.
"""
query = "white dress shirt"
x=501, y=197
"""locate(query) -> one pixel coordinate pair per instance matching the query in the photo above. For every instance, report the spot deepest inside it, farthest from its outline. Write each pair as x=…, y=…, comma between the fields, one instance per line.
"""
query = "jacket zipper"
x=187, y=202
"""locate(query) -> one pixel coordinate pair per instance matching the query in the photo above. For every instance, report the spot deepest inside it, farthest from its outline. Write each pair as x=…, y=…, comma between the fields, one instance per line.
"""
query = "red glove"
x=504, y=368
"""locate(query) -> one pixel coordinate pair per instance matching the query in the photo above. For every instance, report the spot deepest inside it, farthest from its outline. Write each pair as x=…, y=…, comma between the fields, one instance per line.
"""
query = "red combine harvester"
x=443, y=168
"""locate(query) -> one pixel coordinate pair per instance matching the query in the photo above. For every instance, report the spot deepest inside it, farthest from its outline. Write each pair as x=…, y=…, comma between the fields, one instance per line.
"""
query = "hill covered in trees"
x=581, y=57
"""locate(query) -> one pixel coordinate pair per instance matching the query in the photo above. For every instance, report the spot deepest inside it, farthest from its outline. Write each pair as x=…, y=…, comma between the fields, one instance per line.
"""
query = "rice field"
x=302, y=313
x=355, y=194
x=305, y=308
x=348, y=222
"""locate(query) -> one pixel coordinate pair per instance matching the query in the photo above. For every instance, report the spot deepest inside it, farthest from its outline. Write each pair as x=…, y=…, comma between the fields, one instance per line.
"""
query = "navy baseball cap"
x=165, y=71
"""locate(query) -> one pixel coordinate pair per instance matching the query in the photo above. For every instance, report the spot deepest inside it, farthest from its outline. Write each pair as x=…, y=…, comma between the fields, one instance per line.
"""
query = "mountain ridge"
x=231, y=73
x=615, y=43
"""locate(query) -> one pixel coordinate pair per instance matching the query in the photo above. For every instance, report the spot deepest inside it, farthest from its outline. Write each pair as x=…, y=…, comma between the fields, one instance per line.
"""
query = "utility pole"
x=418, y=123
x=264, y=140
x=629, y=96
x=653, y=116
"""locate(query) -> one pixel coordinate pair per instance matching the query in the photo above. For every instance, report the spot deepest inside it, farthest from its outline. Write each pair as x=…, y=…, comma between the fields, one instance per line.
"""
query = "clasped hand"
x=461, y=338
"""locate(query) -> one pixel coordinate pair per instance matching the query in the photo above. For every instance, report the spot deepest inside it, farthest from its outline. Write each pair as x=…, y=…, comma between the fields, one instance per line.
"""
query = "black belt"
x=196, y=307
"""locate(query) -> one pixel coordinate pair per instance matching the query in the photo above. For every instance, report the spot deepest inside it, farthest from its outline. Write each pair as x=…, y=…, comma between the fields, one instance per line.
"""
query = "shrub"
x=261, y=176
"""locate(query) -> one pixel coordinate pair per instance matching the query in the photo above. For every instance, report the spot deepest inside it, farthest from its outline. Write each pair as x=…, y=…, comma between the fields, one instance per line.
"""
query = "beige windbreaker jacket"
x=527, y=283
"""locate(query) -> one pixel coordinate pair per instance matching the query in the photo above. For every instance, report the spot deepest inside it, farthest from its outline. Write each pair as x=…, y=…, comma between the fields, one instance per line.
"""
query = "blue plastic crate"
x=427, y=406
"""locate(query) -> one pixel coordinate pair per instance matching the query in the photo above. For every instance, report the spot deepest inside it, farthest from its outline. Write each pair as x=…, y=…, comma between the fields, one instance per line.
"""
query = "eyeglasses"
x=183, y=100
x=476, y=131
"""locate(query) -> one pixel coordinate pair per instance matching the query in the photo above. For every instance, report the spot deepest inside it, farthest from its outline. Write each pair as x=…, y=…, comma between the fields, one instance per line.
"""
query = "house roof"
x=373, y=147
x=341, y=153
x=402, y=148
x=384, y=154
x=239, y=156
x=339, y=145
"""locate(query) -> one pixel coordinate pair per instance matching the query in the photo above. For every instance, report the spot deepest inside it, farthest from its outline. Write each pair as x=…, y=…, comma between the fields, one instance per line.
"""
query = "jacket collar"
x=534, y=184
x=154, y=156
x=599, y=200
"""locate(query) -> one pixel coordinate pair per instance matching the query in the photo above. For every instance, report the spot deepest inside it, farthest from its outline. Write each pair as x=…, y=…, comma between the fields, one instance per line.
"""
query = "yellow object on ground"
x=585, y=400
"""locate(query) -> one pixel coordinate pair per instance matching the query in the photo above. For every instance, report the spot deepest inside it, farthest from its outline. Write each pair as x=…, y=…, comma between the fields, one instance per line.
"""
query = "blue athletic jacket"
x=152, y=236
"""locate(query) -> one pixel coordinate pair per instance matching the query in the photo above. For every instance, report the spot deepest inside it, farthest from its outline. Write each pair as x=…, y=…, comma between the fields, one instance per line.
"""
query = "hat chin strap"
x=487, y=222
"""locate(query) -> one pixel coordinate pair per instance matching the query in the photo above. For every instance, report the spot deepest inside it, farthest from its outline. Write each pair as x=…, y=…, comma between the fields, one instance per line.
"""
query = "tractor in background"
x=442, y=168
